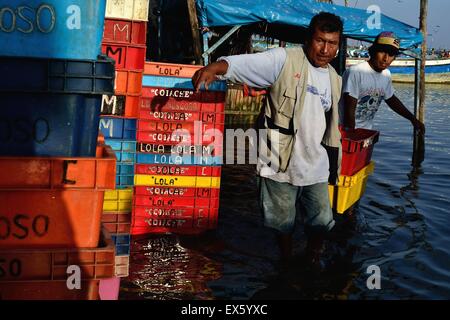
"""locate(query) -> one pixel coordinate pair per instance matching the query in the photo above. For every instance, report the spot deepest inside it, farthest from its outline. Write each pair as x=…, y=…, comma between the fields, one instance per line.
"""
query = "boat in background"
x=402, y=70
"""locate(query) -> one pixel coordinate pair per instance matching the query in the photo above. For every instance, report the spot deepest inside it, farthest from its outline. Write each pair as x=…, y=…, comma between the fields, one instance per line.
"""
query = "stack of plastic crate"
x=180, y=139
x=357, y=148
x=52, y=171
x=124, y=40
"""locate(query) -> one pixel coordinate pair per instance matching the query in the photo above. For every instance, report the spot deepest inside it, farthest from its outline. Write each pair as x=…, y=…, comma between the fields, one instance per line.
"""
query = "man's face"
x=382, y=60
x=322, y=47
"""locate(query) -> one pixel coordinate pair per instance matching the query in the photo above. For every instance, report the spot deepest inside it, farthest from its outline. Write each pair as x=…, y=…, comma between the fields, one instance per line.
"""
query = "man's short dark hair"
x=325, y=22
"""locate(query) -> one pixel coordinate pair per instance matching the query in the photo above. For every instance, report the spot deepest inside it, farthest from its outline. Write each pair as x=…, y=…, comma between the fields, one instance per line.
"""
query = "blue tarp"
x=215, y=13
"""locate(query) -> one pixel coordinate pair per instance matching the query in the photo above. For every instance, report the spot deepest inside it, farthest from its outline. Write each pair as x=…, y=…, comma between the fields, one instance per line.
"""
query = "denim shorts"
x=280, y=202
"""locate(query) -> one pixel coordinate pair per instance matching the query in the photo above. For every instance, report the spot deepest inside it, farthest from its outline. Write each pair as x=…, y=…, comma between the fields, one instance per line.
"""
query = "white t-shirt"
x=309, y=161
x=370, y=88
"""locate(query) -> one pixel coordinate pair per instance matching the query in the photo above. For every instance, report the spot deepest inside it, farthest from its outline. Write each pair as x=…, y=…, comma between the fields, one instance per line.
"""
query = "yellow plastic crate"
x=127, y=9
x=119, y=194
x=349, y=189
x=117, y=206
x=118, y=200
x=178, y=181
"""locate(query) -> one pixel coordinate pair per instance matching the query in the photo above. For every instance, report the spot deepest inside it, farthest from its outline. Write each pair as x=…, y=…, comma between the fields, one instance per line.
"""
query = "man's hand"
x=419, y=126
x=208, y=74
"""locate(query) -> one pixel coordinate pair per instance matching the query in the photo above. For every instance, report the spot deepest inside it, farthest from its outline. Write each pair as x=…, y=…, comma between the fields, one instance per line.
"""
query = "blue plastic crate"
x=125, y=180
x=121, y=145
x=124, y=169
x=118, y=128
x=167, y=158
x=65, y=29
x=122, y=250
x=122, y=243
x=125, y=157
x=179, y=83
x=57, y=75
x=55, y=125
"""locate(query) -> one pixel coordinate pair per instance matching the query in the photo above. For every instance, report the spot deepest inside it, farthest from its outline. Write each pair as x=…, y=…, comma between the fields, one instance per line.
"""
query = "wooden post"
x=419, y=139
x=423, y=29
x=195, y=31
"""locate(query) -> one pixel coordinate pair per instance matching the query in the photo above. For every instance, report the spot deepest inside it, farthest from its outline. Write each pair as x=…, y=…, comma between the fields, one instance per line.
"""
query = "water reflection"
x=400, y=225
x=163, y=269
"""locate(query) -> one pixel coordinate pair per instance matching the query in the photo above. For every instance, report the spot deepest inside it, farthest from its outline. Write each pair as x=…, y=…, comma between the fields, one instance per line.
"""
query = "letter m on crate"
x=115, y=53
x=113, y=105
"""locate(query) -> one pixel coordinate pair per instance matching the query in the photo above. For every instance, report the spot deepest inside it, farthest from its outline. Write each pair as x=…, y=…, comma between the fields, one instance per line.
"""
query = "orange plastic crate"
x=170, y=69
x=52, y=264
x=53, y=202
x=48, y=290
x=59, y=173
x=117, y=222
x=128, y=82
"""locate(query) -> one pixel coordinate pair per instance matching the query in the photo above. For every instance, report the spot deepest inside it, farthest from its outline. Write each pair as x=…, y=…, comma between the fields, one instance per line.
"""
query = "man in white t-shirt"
x=302, y=106
x=367, y=84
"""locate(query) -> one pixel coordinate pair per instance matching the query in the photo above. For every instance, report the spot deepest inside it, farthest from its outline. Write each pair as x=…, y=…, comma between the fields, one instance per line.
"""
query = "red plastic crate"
x=214, y=137
x=182, y=100
x=189, y=225
x=207, y=117
x=125, y=31
x=167, y=212
x=171, y=212
x=52, y=264
x=123, y=106
x=357, y=148
x=178, y=170
x=175, y=202
x=128, y=82
x=170, y=69
x=176, y=191
x=128, y=57
x=170, y=126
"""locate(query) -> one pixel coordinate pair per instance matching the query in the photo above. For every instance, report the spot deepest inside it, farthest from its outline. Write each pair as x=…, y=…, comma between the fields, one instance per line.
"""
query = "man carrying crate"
x=367, y=84
x=301, y=113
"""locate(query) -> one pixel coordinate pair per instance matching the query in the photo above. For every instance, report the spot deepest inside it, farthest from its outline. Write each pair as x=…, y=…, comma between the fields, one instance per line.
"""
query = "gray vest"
x=283, y=109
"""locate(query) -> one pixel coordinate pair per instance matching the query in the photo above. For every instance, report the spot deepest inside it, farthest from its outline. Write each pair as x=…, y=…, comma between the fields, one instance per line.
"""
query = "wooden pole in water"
x=195, y=31
x=419, y=139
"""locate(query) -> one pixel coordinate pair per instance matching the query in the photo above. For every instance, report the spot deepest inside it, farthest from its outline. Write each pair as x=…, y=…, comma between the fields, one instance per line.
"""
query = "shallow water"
x=401, y=225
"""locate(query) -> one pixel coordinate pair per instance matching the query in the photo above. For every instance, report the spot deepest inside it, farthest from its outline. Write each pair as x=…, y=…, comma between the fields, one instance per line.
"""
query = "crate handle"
x=65, y=167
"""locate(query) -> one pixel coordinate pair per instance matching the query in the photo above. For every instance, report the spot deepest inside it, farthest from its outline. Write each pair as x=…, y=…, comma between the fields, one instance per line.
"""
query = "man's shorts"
x=280, y=202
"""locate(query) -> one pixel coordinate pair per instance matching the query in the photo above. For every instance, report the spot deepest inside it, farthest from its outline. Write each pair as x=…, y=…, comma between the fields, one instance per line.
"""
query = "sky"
x=408, y=11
